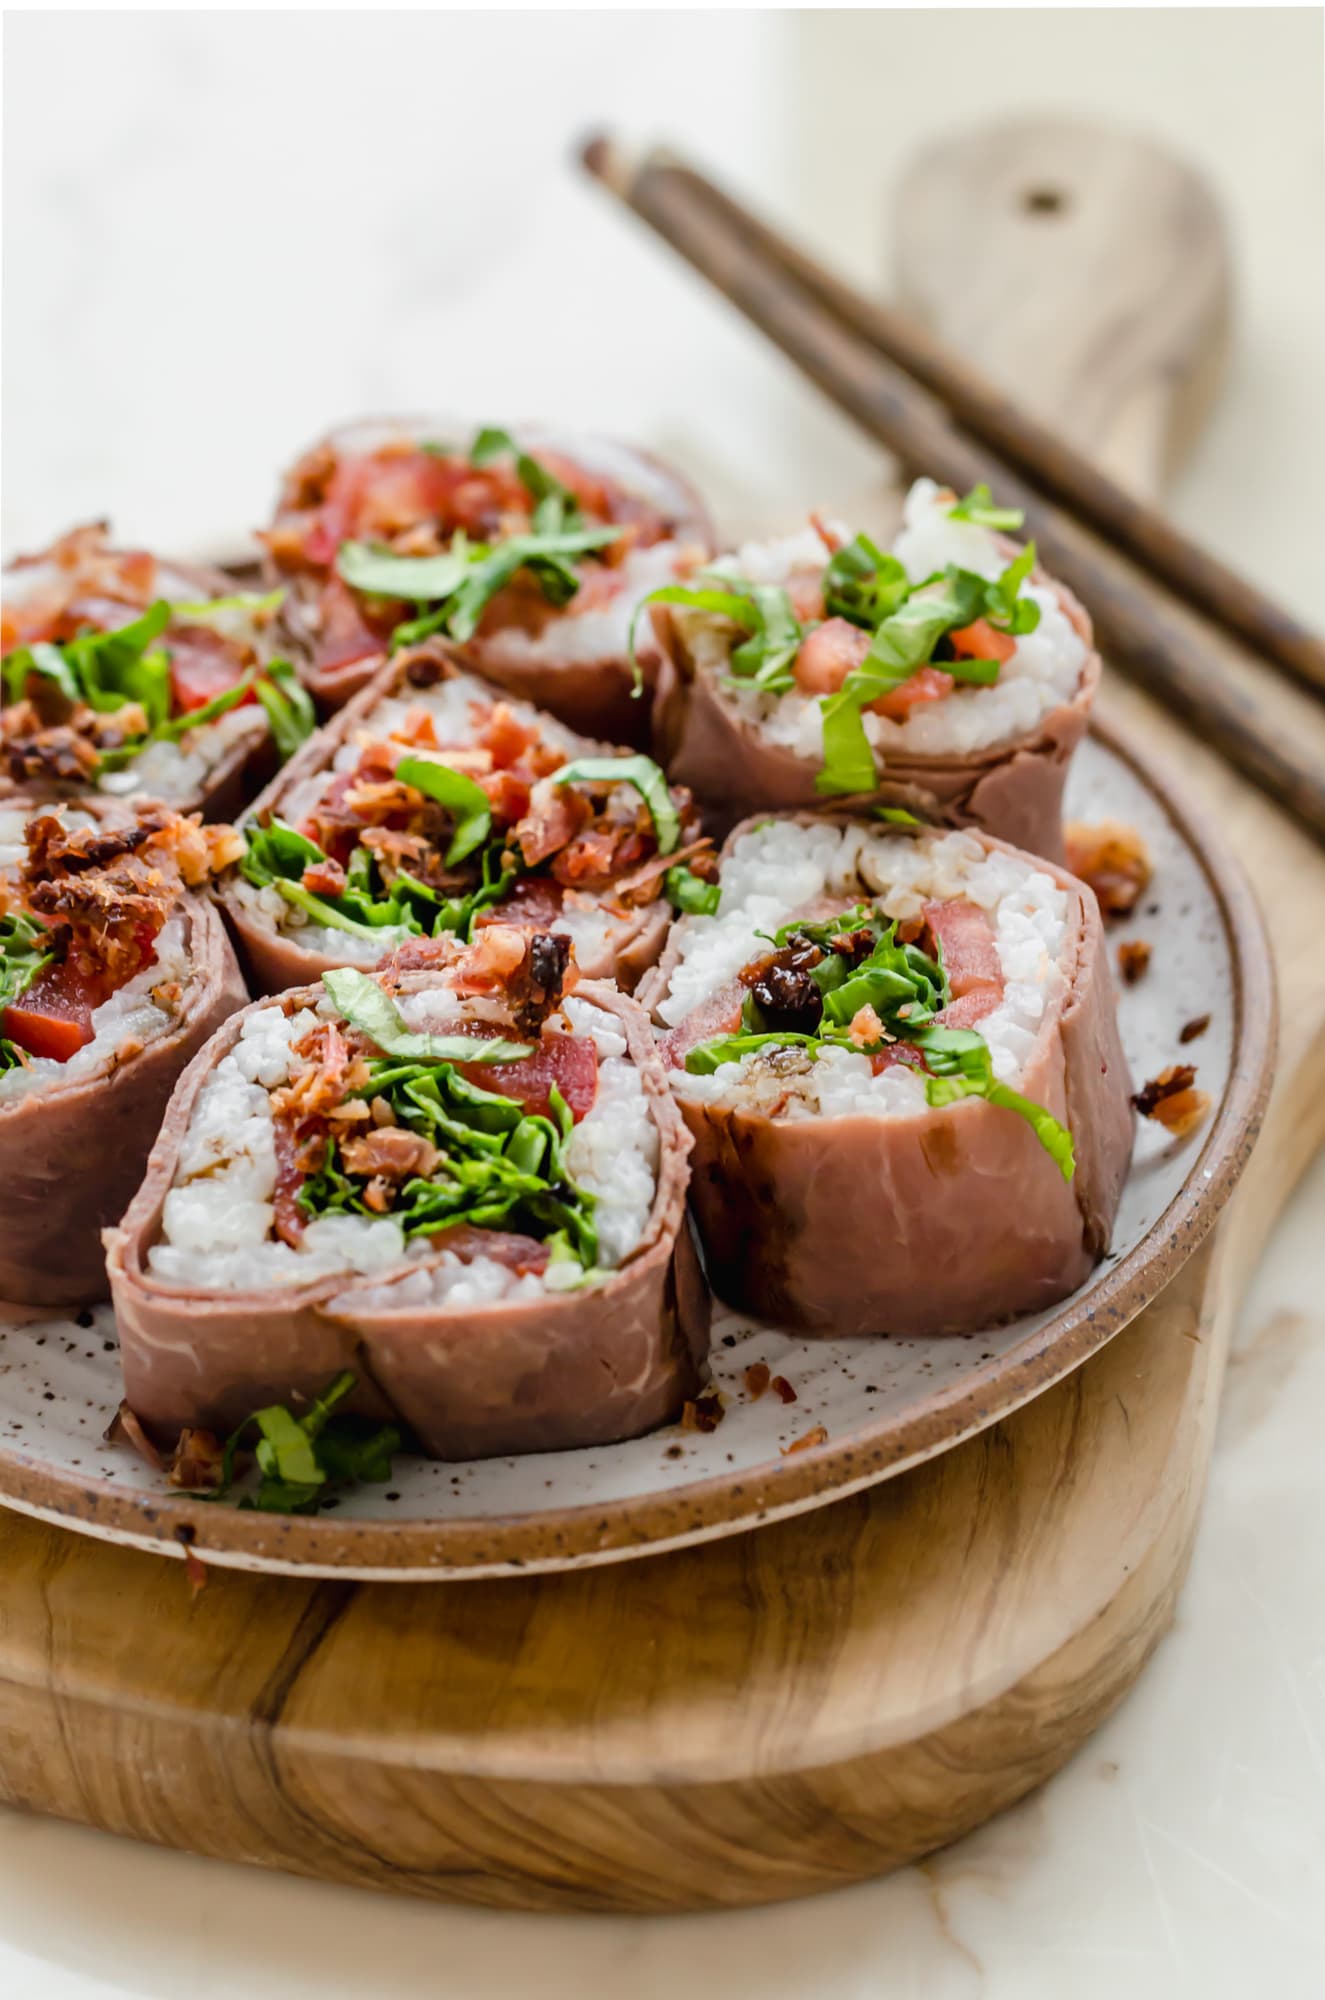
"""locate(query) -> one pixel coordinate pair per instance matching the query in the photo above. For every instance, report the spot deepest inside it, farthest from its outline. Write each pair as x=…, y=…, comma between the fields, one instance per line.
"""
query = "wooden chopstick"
x=1055, y=466
x=1265, y=727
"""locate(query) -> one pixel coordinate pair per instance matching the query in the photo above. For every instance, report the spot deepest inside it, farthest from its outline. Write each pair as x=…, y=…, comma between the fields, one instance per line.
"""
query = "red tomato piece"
x=54, y=1017
x=925, y=684
x=982, y=641
x=570, y=1062
x=828, y=654
x=202, y=665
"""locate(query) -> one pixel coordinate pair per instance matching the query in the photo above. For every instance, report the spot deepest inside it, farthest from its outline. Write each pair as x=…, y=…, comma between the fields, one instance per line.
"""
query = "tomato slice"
x=570, y=1062
x=202, y=665
x=54, y=1017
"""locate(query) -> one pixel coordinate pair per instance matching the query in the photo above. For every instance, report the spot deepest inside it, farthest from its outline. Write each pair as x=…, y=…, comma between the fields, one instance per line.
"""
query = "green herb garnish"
x=108, y=671
x=459, y=794
x=463, y=582
x=366, y=1007
x=690, y=893
x=23, y=954
x=906, y=989
x=863, y=584
x=978, y=506
x=644, y=775
x=765, y=658
x=300, y=1460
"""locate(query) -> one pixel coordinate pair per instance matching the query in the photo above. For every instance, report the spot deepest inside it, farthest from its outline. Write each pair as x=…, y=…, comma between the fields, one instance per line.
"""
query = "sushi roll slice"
x=126, y=676
x=113, y=973
x=948, y=677
x=898, y=1057
x=433, y=803
x=465, y=1183
x=531, y=552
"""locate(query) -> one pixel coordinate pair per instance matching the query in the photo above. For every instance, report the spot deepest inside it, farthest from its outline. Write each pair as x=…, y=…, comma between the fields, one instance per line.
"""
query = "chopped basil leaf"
x=301, y=1458
x=459, y=794
x=962, y=1066
x=555, y=506
x=291, y=715
x=732, y=604
x=366, y=1007
x=644, y=775
x=499, y=1164
x=690, y=892
x=417, y=579
x=978, y=506
x=863, y=584
x=710, y=1056
x=249, y=601
x=23, y=954
x=896, y=815
x=762, y=610
x=1004, y=606
x=464, y=580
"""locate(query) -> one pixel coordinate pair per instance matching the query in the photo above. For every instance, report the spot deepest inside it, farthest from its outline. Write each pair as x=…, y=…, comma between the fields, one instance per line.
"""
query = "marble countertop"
x=196, y=281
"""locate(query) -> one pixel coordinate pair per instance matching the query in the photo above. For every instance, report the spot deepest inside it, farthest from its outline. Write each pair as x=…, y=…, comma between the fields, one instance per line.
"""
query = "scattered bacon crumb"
x=194, y=1567
x=704, y=1414
x=817, y=1436
x=125, y=1428
x=784, y=1389
x=756, y=1378
x=1133, y=960
x=1112, y=858
x=197, y=1460
x=1191, y=1029
x=1171, y=1100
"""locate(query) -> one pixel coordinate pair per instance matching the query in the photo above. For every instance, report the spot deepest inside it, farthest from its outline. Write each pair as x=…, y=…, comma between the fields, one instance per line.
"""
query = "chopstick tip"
x=603, y=157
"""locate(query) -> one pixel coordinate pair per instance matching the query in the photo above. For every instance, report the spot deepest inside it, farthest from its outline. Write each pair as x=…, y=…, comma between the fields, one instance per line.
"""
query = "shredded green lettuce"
x=978, y=506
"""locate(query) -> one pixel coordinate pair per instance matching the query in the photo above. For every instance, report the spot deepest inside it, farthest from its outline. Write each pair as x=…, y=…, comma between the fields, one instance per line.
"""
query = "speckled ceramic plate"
x=884, y=1404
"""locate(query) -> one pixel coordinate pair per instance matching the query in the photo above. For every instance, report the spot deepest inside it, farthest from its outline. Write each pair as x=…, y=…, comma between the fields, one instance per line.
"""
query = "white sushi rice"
x=601, y=631
x=178, y=772
x=1043, y=672
x=586, y=920
x=778, y=868
x=217, y=1225
x=130, y=1018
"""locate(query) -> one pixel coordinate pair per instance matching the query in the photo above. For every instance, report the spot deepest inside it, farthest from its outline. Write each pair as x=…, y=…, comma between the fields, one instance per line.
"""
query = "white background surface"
x=220, y=233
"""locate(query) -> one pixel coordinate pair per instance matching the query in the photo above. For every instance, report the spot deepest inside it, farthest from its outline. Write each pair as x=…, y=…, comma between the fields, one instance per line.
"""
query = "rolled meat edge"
x=73, y=1155
x=588, y=686
x=276, y=960
x=937, y=1221
x=592, y=1366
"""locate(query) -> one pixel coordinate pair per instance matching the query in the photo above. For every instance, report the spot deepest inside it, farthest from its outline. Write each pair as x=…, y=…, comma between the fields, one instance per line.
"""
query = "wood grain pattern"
x=783, y=1712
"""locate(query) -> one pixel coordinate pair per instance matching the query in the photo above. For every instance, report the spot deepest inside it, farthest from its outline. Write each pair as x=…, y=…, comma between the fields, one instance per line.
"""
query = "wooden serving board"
x=815, y=1701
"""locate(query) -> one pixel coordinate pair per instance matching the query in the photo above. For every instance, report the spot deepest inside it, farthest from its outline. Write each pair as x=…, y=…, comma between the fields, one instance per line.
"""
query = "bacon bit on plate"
x=1171, y=1100
x=125, y=1428
x=1133, y=960
x=195, y=1567
x=784, y=1389
x=197, y=1461
x=756, y=1378
x=817, y=1436
x=704, y=1414
x=1112, y=859
x=1190, y=1030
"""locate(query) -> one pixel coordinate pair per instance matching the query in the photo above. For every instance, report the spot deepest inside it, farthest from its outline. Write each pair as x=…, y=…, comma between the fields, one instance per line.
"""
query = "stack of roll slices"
x=375, y=1108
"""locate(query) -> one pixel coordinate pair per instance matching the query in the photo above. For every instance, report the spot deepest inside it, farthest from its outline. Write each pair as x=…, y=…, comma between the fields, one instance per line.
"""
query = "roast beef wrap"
x=898, y=1058
x=113, y=973
x=126, y=676
x=465, y=1183
x=948, y=677
x=433, y=803
x=531, y=552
